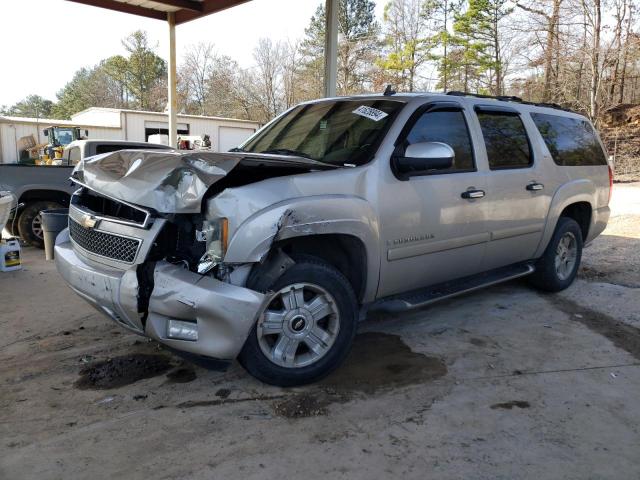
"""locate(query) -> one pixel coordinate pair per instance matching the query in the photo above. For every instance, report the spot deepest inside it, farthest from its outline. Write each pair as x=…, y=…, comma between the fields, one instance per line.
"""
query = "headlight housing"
x=216, y=234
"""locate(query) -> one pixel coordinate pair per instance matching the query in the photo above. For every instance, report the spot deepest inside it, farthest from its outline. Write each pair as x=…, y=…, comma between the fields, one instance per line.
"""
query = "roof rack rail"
x=508, y=98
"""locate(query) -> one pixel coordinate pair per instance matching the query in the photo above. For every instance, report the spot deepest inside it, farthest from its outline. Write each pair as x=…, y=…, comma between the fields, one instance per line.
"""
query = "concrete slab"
x=504, y=383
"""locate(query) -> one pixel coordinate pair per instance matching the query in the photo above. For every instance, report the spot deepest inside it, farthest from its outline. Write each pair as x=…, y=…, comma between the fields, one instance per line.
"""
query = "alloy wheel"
x=566, y=255
x=299, y=325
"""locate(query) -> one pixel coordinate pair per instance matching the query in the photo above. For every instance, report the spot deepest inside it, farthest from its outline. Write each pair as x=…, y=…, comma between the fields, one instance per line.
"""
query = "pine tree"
x=358, y=32
x=478, y=39
x=443, y=13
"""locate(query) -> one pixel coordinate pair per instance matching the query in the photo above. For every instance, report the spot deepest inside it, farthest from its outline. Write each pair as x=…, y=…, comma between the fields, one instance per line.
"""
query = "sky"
x=44, y=42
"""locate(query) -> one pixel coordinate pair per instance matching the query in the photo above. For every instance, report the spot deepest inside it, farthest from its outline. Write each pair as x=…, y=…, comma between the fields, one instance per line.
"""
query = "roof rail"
x=508, y=98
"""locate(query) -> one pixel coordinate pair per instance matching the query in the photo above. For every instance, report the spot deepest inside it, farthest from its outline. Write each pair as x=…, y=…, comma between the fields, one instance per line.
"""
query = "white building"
x=119, y=124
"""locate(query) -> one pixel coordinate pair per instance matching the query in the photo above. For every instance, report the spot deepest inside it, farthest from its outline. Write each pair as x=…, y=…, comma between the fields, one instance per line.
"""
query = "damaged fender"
x=315, y=215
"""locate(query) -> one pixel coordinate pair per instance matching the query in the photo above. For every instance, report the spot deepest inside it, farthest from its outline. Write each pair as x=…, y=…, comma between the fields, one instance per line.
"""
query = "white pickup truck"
x=40, y=187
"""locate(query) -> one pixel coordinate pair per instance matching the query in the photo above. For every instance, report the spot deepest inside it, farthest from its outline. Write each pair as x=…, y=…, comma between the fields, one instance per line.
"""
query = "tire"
x=12, y=227
x=550, y=275
x=29, y=219
x=330, y=331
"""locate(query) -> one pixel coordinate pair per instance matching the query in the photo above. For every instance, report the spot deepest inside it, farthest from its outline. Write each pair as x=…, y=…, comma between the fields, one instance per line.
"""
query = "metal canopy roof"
x=176, y=12
x=184, y=10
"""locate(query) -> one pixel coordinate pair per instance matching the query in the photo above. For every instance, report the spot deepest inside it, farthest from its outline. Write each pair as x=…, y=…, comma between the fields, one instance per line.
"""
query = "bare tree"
x=196, y=73
x=551, y=19
x=269, y=57
x=408, y=45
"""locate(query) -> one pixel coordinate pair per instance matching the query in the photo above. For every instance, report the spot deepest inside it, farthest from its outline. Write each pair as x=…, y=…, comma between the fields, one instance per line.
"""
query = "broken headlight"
x=215, y=234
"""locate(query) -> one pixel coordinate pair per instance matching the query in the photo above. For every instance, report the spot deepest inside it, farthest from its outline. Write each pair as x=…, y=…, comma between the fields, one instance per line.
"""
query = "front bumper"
x=224, y=313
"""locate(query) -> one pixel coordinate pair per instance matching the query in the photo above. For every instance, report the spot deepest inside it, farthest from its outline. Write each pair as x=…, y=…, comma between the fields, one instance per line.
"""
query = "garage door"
x=231, y=137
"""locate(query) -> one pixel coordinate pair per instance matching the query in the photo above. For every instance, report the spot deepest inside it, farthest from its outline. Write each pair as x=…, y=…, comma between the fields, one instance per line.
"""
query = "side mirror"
x=45, y=132
x=423, y=158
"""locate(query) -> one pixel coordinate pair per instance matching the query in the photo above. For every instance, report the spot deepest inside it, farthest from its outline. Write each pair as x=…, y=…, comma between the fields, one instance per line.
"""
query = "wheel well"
x=45, y=195
x=581, y=213
x=345, y=252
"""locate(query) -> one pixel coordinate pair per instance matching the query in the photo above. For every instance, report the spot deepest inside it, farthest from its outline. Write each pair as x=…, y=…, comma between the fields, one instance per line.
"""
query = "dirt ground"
x=505, y=383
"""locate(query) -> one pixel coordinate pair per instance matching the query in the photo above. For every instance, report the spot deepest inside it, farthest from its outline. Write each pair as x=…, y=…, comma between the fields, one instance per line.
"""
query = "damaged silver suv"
x=271, y=253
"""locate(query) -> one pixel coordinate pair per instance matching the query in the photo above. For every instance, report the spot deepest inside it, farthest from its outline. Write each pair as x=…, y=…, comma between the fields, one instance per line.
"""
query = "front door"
x=433, y=226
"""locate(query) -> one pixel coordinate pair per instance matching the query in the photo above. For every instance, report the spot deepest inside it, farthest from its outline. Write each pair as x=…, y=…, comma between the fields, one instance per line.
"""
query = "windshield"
x=64, y=136
x=337, y=132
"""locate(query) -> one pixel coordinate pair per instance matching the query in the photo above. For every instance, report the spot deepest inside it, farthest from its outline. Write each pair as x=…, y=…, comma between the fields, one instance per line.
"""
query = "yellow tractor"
x=57, y=137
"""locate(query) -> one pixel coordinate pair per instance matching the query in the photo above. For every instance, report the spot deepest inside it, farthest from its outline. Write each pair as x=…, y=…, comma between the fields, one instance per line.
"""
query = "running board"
x=426, y=296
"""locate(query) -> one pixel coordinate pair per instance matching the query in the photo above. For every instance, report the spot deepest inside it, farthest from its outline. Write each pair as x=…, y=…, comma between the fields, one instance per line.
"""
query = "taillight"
x=610, y=183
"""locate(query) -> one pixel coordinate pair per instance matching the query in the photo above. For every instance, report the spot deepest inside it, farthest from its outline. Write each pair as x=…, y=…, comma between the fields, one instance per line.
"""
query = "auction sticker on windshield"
x=370, y=113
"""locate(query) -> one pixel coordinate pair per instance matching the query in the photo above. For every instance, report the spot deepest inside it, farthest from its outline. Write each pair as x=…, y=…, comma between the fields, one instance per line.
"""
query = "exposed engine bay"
x=178, y=195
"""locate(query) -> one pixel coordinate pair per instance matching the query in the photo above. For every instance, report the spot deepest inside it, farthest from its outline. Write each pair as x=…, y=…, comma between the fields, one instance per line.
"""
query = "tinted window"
x=571, y=141
x=447, y=127
x=506, y=140
x=74, y=155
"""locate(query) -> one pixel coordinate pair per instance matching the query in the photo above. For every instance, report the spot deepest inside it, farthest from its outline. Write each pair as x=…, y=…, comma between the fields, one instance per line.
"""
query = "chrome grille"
x=104, y=244
x=116, y=211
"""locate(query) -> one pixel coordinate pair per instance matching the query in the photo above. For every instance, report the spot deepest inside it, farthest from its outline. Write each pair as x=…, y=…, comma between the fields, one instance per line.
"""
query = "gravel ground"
x=504, y=383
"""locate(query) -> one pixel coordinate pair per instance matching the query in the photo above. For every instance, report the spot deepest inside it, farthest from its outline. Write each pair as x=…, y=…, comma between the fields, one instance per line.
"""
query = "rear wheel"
x=30, y=222
x=306, y=330
x=558, y=266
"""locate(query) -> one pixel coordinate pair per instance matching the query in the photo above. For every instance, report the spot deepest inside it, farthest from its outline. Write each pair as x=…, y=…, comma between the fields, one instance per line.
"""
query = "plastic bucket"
x=53, y=222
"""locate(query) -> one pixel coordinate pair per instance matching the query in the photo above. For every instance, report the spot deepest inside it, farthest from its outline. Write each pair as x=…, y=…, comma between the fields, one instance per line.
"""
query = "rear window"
x=505, y=139
x=106, y=148
x=73, y=156
x=571, y=141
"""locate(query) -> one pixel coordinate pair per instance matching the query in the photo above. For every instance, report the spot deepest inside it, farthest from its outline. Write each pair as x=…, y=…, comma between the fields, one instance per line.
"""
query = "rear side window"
x=571, y=141
x=505, y=139
x=447, y=127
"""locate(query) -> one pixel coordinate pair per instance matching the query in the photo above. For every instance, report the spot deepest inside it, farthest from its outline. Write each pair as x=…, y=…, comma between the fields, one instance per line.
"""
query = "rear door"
x=519, y=186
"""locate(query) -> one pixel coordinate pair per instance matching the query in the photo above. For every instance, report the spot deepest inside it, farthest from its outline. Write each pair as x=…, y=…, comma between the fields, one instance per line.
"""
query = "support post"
x=172, y=82
x=331, y=48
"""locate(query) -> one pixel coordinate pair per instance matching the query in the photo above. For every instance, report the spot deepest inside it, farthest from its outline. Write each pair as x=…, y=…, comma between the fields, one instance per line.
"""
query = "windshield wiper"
x=287, y=151
x=236, y=149
x=295, y=153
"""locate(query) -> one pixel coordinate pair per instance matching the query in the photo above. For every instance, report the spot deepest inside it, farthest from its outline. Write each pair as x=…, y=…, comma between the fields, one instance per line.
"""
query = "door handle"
x=535, y=187
x=470, y=194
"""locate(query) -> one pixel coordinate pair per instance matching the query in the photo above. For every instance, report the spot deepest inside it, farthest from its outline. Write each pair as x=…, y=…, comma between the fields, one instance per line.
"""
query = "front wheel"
x=30, y=222
x=306, y=330
x=558, y=266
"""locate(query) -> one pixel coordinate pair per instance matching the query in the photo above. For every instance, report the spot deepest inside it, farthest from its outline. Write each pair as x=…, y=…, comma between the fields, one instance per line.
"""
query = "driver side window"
x=450, y=127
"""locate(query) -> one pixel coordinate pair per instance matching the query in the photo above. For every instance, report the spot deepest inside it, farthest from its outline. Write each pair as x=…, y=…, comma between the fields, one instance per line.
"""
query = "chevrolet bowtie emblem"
x=88, y=221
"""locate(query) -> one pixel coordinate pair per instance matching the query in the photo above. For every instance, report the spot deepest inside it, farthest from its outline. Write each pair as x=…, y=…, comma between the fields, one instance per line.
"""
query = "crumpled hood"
x=167, y=181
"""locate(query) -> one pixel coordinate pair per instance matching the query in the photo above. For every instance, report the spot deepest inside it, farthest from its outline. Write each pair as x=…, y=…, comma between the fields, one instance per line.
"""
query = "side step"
x=425, y=296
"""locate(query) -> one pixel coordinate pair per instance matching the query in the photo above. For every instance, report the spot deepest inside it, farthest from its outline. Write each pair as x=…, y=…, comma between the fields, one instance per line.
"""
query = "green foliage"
x=408, y=44
x=33, y=106
x=143, y=69
x=479, y=63
x=117, y=82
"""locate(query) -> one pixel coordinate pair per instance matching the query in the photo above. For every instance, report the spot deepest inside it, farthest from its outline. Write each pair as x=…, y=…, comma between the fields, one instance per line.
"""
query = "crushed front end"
x=155, y=274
